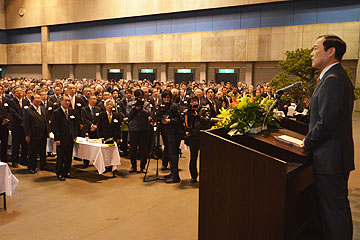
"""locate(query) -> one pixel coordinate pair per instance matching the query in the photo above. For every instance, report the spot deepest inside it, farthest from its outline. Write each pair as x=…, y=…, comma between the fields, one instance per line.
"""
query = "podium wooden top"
x=270, y=138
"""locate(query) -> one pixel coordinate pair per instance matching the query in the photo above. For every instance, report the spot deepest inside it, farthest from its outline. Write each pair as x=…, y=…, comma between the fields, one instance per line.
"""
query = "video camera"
x=160, y=113
x=139, y=102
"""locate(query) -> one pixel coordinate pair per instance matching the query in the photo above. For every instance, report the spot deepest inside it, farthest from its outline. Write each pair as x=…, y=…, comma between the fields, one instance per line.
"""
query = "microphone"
x=288, y=88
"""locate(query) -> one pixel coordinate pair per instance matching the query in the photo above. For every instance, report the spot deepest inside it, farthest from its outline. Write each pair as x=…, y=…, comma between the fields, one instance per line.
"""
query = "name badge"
x=97, y=114
x=6, y=105
x=115, y=120
x=72, y=117
x=78, y=104
x=26, y=107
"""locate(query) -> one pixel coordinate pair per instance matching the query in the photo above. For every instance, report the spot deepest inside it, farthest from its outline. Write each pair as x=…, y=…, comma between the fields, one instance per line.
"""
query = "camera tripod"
x=155, y=153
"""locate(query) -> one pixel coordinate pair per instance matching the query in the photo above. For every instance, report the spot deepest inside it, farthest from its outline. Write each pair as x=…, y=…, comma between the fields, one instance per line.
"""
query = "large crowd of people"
x=123, y=112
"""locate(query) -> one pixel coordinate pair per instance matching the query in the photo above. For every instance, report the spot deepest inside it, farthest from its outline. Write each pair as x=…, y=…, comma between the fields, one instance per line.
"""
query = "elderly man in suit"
x=109, y=123
x=330, y=137
x=16, y=107
x=64, y=126
x=37, y=129
x=54, y=100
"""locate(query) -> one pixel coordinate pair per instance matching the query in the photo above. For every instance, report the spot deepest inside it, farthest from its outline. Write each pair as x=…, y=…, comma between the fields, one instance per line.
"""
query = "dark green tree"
x=297, y=68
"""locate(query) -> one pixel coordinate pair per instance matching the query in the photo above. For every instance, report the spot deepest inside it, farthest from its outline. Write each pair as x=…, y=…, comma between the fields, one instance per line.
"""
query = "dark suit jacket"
x=213, y=112
x=101, y=105
x=26, y=102
x=16, y=113
x=4, y=110
x=123, y=106
x=79, y=104
x=64, y=129
x=54, y=99
x=84, y=99
x=330, y=129
x=88, y=120
x=48, y=108
x=35, y=125
x=106, y=130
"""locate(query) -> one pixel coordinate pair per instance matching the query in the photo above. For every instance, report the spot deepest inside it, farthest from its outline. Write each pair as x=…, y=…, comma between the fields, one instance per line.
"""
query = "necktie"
x=92, y=111
x=109, y=118
x=214, y=105
x=66, y=114
x=20, y=103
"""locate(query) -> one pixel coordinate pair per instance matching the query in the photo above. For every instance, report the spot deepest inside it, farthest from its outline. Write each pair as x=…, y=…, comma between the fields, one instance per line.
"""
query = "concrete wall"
x=50, y=12
x=30, y=71
x=265, y=44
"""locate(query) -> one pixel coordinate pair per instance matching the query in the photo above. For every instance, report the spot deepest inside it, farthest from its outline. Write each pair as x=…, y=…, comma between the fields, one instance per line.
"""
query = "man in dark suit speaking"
x=64, y=126
x=36, y=127
x=330, y=137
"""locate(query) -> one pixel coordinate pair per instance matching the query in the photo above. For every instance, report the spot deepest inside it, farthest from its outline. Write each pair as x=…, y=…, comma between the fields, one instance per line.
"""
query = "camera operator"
x=196, y=118
x=138, y=112
x=169, y=118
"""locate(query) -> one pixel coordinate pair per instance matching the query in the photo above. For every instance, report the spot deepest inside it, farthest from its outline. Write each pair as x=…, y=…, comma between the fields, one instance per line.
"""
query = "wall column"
x=211, y=74
x=72, y=72
x=163, y=72
x=249, y=73
x=104, y=72
x=203, y=68
x=128, y=72
x=98, y=72
x=46, y=73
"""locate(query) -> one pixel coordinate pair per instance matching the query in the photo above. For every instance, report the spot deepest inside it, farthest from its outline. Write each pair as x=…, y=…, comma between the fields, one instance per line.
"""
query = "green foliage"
x=357, y=93
x=247, y=113
x=356, y=90
x=297, y=67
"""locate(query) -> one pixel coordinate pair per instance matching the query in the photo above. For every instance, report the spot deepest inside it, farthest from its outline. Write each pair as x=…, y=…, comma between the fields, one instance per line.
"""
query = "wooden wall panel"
x=292, y=38
x=30, y=71
x=2, y=14
x=244, y=45
x=50, y=12
x=3, y=54
x=277, y=45
x=350, y=33
x=26, y=53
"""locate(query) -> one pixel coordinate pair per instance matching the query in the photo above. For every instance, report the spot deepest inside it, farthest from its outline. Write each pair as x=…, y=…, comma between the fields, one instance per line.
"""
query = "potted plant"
x=247, y=115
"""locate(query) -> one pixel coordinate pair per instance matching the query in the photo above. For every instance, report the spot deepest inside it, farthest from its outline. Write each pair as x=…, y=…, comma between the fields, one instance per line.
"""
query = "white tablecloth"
x=50, y=145
x=8, y=181
x=101, y=155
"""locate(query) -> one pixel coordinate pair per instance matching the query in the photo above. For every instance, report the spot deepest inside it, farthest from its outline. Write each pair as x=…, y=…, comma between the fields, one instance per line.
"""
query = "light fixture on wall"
x=21, y=12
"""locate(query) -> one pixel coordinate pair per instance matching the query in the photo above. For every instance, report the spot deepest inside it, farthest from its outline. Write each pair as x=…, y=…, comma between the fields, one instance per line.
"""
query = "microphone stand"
x=277, y=97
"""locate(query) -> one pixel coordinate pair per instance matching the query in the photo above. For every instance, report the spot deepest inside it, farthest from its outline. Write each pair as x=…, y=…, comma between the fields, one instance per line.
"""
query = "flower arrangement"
x=246, y=113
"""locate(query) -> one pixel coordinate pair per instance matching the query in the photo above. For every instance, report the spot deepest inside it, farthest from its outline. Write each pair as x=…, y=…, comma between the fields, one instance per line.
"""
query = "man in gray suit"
x=330, y=137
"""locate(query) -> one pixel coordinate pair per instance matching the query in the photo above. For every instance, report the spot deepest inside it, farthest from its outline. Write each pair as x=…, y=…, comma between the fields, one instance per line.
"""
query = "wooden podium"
x=254, y=186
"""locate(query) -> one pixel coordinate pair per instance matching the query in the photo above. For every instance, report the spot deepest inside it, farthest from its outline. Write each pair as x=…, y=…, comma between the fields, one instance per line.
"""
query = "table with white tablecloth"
x=102, y=155
x=8, y=181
